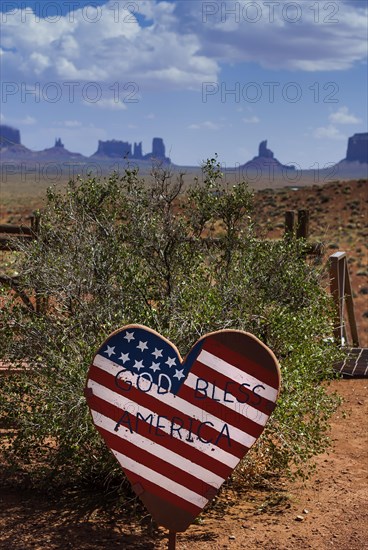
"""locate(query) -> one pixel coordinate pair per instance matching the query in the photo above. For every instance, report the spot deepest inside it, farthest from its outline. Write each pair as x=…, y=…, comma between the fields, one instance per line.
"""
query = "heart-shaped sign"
x=179, y=427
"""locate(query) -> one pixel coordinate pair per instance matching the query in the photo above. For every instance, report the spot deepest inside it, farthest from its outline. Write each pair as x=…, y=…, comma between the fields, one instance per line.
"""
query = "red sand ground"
x=332, y=506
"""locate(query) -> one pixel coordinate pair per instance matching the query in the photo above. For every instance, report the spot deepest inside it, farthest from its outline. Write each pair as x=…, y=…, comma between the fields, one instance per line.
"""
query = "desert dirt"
x=329, y=510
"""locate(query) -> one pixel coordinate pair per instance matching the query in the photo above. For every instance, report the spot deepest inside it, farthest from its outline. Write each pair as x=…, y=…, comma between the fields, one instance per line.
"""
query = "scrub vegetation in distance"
x=184, y=262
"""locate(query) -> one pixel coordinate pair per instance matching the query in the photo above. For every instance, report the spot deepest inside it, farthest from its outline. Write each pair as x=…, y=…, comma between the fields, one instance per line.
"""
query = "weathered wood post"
x=342, y=293
x=35, y=228
x=350, y=308
x=337, y=286
x=302, y=230
x=35, y=223
x=172, y=540
x=289, y=223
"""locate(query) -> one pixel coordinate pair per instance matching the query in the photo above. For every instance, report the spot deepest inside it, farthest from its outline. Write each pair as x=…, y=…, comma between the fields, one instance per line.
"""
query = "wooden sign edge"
x=250, y=335
x=182, y=360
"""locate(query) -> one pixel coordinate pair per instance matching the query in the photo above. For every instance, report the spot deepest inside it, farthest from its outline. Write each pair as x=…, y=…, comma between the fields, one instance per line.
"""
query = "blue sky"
x=207, y=76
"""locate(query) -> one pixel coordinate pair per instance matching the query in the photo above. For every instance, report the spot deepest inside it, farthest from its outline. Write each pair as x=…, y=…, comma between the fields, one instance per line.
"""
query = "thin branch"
x=14, y=285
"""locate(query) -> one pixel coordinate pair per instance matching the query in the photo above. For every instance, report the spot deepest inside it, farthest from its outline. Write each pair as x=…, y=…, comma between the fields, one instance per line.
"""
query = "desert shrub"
x=184, y=260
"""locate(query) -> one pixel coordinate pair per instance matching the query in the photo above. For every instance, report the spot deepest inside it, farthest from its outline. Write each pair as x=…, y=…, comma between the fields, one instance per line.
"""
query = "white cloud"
x=72, y=123
x=39, y=62
x=107, y=103
x=114, y=48
x=206, y=125
x=176, y=49
x=325, y=35
x=328, y=132
x=342, y=116
x=25, y=121
x=28, y=121
x=181, y=45
x=251, y=120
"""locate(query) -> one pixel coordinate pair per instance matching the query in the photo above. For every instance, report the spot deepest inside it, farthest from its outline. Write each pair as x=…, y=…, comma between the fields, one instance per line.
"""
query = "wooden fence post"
x=341, y=291
x=41, y=302
x=302, y=230
x=337, y=290
x=172, y=540
x=350, y=308
x=35, y=223
x=289, y=223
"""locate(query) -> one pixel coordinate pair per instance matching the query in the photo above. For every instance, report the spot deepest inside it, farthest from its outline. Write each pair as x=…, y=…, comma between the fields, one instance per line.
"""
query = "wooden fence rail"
x=15, y=229
x=9, y=236
x=296, y=226
x=9, y=233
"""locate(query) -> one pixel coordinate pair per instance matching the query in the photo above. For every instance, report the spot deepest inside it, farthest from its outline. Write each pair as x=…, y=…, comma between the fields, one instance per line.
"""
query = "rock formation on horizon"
x=354, y=165
x=158, y=148
x=357, y=149
x=9, y=136
x=59, y=143
x=265, y=160
x=124, y=150
x=12, y=149
x=113, y=149
x=10, y=144
x=263, y=152
x=58, y=152
x=137, y=153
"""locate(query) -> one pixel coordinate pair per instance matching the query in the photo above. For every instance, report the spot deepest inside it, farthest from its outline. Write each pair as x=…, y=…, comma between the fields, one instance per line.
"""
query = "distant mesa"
x=12, y=149
x=158, y=148
x=357, y=149
x=158, y=151
x=263, y=152
x=59, y=143
x=9, y=136
x=265, y=160
x=355, y=165
x=124, y=150
x=58, y=152
x=117, y=149
x=10, y=144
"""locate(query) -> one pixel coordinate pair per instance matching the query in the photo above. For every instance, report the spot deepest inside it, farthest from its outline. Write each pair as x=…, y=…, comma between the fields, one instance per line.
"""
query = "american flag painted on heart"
x=179, y=428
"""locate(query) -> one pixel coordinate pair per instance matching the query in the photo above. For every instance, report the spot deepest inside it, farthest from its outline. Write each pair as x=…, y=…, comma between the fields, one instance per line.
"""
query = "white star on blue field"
x=145, y=354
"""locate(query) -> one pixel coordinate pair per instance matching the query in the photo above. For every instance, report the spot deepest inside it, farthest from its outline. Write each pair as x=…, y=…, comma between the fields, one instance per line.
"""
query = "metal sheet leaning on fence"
x=179, y=427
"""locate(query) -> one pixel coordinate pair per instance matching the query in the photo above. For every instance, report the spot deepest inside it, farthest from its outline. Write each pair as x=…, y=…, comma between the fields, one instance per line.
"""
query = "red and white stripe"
x=182, y=469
